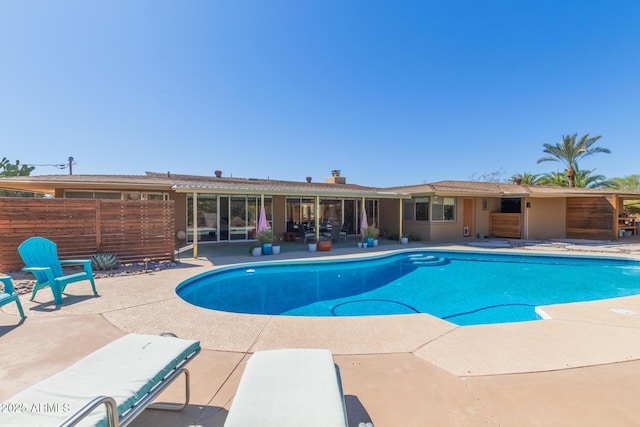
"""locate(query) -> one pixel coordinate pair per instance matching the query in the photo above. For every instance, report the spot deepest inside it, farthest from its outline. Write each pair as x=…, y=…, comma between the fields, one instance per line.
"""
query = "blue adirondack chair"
x=9, y=294
x=40, y=256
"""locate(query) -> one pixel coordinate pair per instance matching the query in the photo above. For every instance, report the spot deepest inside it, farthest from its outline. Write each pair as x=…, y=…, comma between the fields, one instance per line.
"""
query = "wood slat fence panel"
x=505, y=225
x=590, y=218
x=130, y=229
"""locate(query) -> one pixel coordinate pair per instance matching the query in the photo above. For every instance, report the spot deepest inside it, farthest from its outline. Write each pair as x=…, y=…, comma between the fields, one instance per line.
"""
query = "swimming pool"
x=464, y=288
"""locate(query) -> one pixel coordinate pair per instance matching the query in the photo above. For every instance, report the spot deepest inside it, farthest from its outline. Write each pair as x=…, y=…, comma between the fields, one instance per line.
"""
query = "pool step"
x=427, y=260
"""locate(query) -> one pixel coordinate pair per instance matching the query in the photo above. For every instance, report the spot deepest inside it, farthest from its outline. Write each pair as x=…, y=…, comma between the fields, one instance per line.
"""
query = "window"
x=422, y=209
x=416, y=209
x=408, y=210
x=107, y=195
x=115, y=195
x=301, y=210
x=511, y=206
x=331, y=211
x=155, y=196
x=78, y=194
x=207, y=217
x=444, y=209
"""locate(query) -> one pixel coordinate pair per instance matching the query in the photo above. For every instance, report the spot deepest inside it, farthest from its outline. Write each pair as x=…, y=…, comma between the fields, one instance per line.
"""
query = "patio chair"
x=289, y=387
x=305, y=234
x=9, y=294
x=40, y=256
x=344, y=230
x=124, y=377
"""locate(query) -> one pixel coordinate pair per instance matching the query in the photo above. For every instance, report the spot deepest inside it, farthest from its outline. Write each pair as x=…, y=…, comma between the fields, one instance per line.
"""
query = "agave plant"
x=104, y=261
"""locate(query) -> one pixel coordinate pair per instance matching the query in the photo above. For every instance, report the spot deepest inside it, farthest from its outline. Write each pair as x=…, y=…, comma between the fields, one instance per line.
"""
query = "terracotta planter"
x=324, y=245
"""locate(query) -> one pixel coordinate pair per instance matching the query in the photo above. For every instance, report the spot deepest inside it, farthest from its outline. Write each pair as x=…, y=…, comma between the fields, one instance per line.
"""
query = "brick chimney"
x=335, y=178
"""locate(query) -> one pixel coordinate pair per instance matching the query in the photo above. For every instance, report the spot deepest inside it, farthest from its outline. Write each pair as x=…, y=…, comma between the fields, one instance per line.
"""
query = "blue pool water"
x=465, y=288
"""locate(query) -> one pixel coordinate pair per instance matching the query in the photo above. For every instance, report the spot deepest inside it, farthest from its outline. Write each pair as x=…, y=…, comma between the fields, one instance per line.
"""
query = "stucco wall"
x=419, y=229
x=389, y=217
x=482, y=215
x=545, y=218
x=279, y=222
x=181, y=211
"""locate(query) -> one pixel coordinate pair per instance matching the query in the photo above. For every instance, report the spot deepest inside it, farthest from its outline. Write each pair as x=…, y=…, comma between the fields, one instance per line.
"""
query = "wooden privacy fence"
x=130, y=229
x=505, y=225
x=591, y=218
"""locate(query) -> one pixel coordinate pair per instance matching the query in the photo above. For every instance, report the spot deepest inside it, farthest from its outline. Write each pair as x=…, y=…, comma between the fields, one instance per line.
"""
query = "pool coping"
x=577, y=335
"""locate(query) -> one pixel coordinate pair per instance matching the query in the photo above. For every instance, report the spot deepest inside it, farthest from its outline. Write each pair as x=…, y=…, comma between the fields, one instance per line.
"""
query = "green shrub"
x=265, y=237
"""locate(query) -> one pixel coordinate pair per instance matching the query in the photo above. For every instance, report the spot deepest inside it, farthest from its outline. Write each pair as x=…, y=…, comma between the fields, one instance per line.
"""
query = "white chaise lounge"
x=109, y=387
x=289, y=387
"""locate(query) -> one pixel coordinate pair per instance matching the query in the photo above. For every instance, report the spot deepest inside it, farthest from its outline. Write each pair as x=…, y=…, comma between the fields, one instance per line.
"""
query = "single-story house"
x=226, y=208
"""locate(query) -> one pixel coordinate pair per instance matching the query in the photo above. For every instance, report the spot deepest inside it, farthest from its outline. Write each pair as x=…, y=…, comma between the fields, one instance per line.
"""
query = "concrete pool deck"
x=582, y=367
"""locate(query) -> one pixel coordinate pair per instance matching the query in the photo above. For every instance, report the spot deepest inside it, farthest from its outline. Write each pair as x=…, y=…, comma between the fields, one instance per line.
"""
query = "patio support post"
x=317, y=218
x=195, y=224
x=618, y=208
x=362, y=210
x=400, y=225
x=258, y=213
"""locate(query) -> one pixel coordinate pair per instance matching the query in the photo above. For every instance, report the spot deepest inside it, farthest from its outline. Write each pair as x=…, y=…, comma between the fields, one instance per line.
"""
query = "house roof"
x=156, y=181
x=493, y=189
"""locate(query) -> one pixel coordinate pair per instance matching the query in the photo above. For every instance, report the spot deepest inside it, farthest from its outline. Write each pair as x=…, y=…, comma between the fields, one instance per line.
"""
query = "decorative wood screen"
x=505, y=225
x=130, y=229
x=590, y=218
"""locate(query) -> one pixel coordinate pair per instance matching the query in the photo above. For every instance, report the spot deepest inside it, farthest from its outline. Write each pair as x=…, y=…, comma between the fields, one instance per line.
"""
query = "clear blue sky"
x=390, y=92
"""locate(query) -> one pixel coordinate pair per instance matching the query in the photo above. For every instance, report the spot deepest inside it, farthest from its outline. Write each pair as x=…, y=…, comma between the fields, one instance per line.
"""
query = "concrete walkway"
x=580, y=368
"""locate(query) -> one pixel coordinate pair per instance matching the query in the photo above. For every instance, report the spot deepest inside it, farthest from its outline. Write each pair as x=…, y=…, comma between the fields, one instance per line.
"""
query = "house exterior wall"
x=482, y=214
x=419, y=229
x=545, y=218
x=279, y=222
x=445, y=231
x=180, y=202
x=449, y=230
x=389, y=221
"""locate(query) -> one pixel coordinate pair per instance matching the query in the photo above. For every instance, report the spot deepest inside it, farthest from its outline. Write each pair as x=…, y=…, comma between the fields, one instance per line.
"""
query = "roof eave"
x=186, y=188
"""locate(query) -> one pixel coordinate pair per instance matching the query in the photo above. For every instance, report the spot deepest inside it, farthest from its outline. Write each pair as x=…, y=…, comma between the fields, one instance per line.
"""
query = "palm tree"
x=554, y=179
x=570, y=151
x=584, y=179
x=527, y=178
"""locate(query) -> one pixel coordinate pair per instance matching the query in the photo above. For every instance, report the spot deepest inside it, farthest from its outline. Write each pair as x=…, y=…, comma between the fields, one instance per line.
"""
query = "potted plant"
x=405, y=238
x=370, y=234
x=255, y=250
x=324, y=244
x=265, y=238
